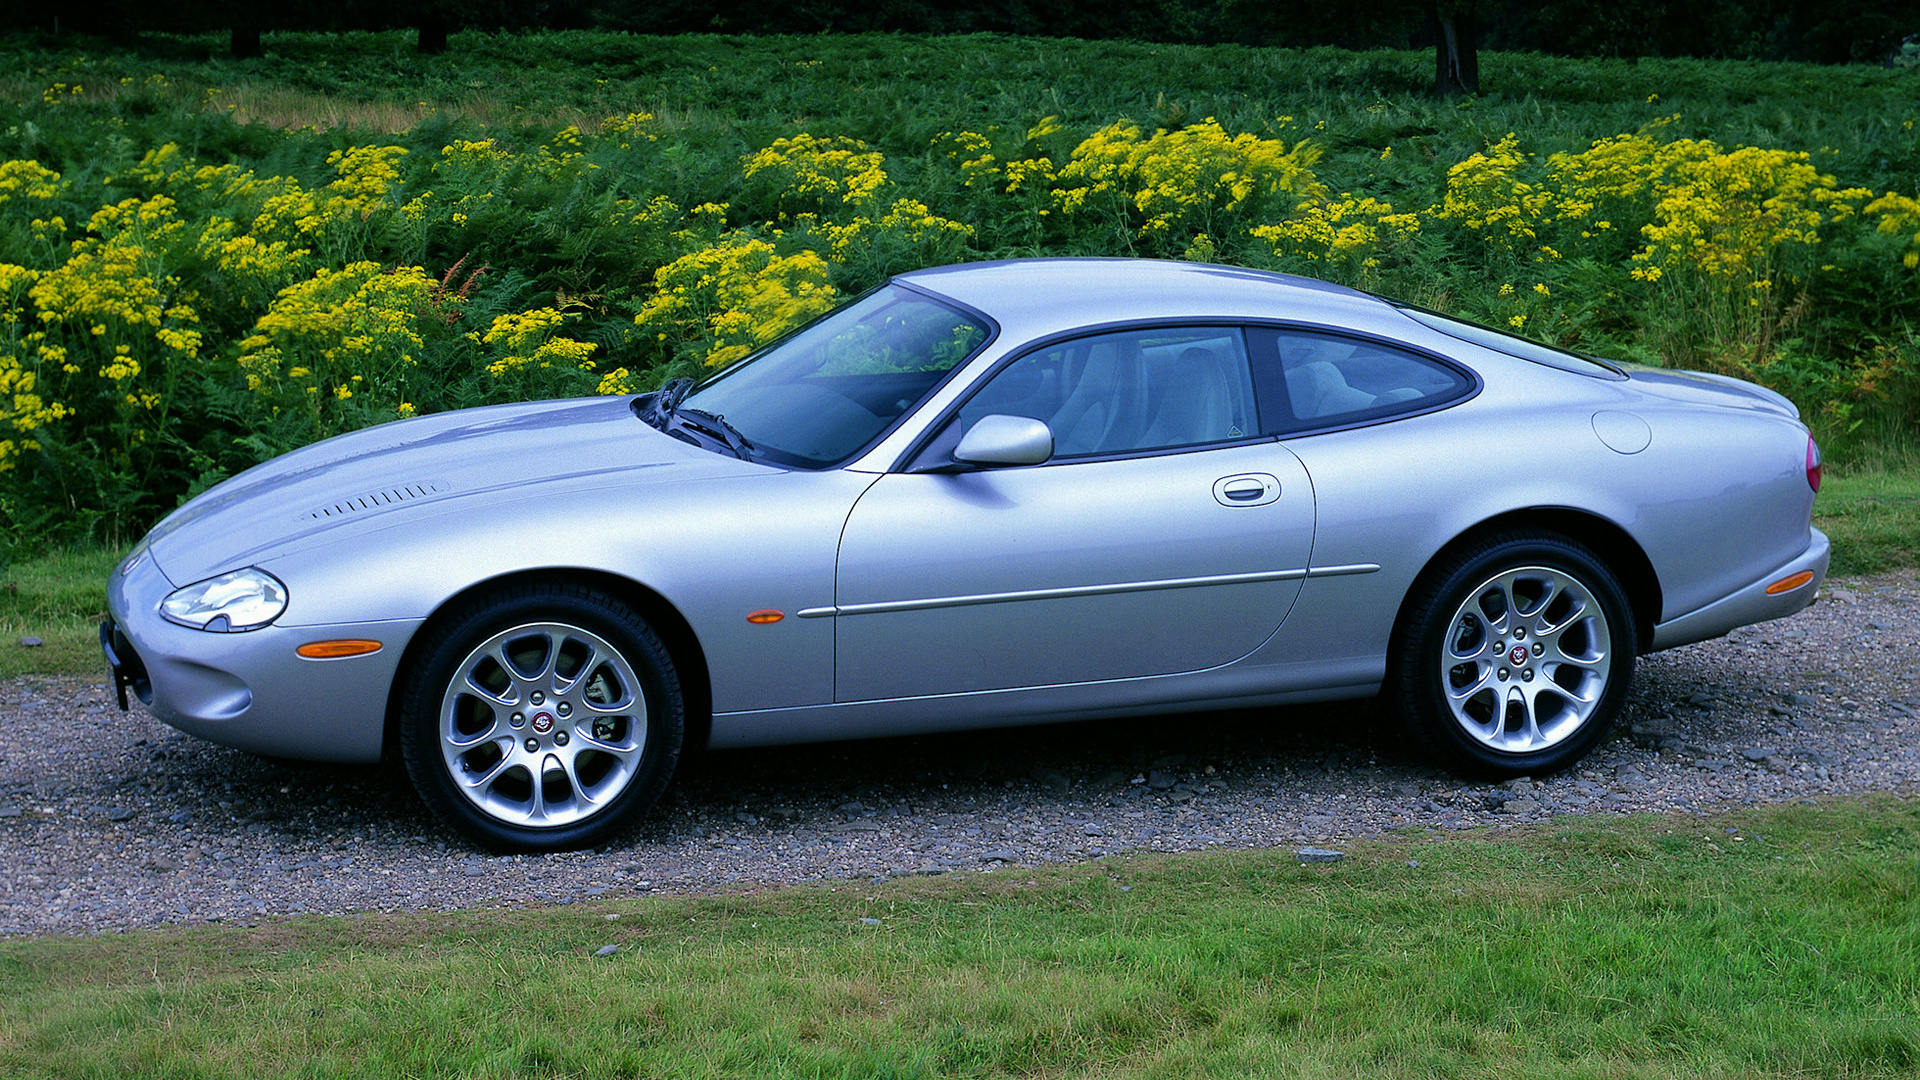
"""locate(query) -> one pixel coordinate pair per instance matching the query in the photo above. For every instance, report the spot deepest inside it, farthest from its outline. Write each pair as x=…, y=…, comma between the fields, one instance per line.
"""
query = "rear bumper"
x=1751, y=603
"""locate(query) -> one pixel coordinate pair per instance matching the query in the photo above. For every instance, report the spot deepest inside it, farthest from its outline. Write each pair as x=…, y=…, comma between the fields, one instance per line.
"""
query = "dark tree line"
x=1819, y=31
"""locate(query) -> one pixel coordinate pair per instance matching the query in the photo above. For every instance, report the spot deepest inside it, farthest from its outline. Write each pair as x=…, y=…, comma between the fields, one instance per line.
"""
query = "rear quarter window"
x=1310, y=379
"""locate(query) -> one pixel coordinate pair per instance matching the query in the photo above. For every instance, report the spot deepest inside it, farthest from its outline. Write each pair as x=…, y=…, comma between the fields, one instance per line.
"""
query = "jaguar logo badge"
x=543, y=722
x=1517, y=656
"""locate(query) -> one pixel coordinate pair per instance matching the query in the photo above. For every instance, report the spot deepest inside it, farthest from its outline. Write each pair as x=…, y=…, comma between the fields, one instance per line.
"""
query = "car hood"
x=1702, y=388
x=377, y=477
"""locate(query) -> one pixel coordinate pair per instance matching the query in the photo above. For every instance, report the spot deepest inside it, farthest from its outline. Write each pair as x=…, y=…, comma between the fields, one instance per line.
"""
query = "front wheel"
x=1515, y=655
x=541, y=719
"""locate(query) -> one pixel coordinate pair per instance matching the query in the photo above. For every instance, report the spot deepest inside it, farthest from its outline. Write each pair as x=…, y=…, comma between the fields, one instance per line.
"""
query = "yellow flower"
x=1171, y=181
x=816, y=172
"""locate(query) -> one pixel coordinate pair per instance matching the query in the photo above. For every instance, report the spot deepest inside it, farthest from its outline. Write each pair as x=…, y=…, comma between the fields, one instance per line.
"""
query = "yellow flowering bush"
x=718, y=304
x=22, y=409
x=114, y=324
x=166, y=320
x=27, y=180
x=334, y=335
x=805, y=173
x=1486, y=195
x=1899, y=217
x=528, y=352
x=1344, y=237
x=1170, y=185
x=1006, y=191
x=908, y=235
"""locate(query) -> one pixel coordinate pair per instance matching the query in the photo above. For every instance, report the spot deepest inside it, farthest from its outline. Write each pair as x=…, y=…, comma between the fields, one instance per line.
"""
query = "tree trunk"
x=433, y=35
x=1456, y=68
x=245, y=42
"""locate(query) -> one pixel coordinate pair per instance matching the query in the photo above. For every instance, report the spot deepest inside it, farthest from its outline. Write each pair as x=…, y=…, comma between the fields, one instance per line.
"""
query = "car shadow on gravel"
x=807, y=785
x=819, y=784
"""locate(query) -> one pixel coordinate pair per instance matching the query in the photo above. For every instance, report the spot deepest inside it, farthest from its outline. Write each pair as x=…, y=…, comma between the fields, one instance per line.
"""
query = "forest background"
x=205, y=261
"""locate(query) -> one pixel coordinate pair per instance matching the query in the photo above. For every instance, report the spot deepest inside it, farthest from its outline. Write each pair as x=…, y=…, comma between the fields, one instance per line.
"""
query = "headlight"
x=242, y=600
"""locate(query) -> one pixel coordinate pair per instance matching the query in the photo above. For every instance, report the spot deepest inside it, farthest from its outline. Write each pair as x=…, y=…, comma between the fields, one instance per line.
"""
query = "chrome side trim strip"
x=1053, y=594
x=1344, y=571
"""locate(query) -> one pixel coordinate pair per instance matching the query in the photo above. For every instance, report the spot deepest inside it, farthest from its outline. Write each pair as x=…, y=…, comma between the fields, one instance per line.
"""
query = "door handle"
x=1246, y=489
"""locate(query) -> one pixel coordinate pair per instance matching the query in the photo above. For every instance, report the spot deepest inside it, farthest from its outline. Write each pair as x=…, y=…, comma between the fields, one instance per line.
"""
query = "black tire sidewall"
x=1421, y=683
x=453, y=638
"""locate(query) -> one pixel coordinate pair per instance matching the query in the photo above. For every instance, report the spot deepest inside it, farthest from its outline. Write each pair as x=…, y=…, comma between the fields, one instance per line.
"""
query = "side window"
x=1310, y=379
x=1129, y=391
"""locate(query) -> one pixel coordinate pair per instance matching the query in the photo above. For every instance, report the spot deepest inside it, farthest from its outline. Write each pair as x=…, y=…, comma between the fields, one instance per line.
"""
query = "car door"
x=1165, y=535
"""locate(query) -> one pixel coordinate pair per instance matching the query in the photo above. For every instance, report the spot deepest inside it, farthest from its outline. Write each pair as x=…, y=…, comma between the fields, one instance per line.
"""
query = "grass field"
x=1770, y=943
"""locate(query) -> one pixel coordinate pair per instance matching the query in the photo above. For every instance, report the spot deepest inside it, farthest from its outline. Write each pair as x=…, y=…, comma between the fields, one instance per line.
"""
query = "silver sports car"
x=992, y=494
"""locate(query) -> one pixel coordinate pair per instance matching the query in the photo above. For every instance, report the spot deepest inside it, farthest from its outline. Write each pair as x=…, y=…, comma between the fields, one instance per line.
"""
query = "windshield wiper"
x=666, y=402
x=715, y=425
x=664, y=412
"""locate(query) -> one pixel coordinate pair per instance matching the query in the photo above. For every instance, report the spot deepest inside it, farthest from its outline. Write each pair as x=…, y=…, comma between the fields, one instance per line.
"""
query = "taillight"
x=1813, y=464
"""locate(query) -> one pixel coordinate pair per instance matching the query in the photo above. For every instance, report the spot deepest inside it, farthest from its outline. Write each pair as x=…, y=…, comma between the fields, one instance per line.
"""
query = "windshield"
x=1525, y=349
x=817, y=397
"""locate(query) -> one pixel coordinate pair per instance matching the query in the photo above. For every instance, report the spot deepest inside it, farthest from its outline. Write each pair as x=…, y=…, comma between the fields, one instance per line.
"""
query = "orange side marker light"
x=1790, y=583
x=765, y=616
x=338, y=650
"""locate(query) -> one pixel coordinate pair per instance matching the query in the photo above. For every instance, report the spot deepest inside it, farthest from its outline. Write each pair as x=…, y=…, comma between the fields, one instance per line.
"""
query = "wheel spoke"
x=563, y=685
x=462, y=744
x=507, y=700
x=1462, y=693
x=482, y=781
x=1530, y=733
x=627, y=749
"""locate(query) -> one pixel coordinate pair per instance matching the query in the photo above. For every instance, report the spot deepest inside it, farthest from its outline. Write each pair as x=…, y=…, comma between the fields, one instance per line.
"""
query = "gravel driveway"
x=111, y=820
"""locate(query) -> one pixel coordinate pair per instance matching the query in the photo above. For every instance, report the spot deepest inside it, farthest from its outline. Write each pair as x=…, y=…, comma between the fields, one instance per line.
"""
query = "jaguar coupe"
x=981, y=495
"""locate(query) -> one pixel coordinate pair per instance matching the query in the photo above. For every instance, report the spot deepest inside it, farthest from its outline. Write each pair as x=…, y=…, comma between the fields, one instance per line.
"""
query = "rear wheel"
x=1515, y=655
x=542, y=718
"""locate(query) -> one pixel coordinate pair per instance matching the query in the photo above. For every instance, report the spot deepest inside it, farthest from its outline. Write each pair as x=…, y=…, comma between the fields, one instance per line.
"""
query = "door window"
x=1135, y=390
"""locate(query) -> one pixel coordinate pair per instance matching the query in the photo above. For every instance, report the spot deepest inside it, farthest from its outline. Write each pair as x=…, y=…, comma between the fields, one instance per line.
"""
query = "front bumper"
x=1751, y=603
x=250, y=690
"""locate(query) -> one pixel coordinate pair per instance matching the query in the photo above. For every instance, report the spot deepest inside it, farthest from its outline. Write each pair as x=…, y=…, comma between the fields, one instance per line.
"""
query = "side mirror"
x=1000, y=439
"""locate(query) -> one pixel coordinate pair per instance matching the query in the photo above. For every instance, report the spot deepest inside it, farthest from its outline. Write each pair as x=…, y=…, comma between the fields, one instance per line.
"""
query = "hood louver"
x=378, y=499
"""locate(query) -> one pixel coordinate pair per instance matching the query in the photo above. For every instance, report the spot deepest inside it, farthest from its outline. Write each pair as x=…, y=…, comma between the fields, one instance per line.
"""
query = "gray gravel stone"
x=1319, y=855
x=219, y=835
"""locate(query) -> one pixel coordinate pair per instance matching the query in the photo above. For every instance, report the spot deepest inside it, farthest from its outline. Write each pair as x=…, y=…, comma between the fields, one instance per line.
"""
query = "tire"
x=1514, y=655
x=541, y=718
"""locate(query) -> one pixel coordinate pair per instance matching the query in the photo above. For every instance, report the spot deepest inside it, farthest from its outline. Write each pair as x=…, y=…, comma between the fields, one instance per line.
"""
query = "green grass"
x=1872, y=514
x=59, y=597
x=1777, y=942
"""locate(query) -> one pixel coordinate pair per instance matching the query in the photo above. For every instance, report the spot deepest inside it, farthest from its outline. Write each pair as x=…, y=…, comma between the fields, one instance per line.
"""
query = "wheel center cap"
x=543, y=722
x=1516, y=656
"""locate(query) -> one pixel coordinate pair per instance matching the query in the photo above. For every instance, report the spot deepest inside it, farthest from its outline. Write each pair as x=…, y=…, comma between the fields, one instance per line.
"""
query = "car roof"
x=1040, y=295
